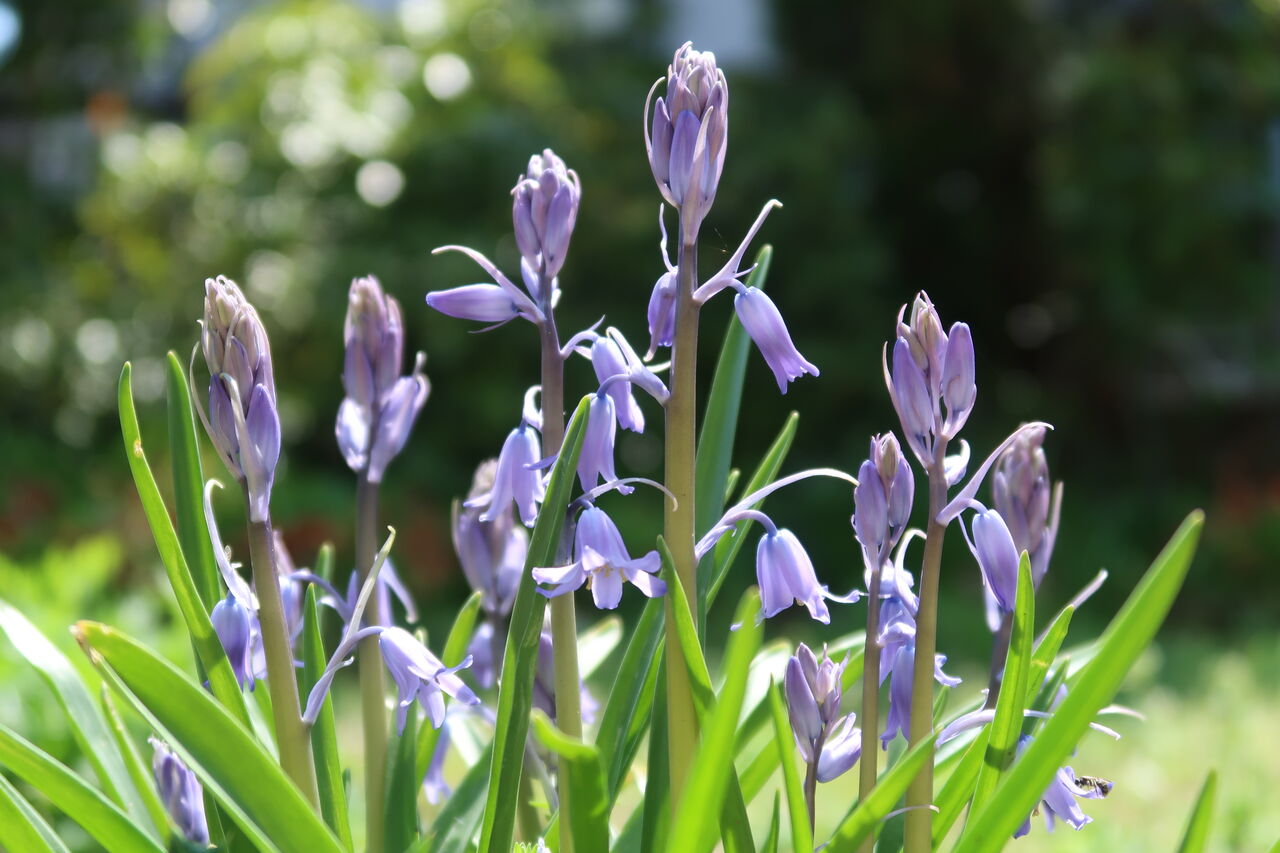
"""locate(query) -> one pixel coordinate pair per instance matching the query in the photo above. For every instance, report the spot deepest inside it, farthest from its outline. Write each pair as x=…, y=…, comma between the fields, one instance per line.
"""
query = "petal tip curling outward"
x=763, y=322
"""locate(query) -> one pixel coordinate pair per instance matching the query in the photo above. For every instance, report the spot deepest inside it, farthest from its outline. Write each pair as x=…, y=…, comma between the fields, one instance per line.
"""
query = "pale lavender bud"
x=180, y=792
x=841, y=750
x=997, y=557
x=601, y=561
x=927, y=340
x=909, y=391
x=958, y=388
x=806, y=721
x=399, y=411
x=544, y=210
x=235, y=625
x=1021, y=492
x=420, y=676
x=492, y=553
x=484, y=303
x=662, y=312
x=515, y=478
x=688, y=135
x=871, y=515
x=242, y=422
x=764, y=323
x=813, y=692
x=596, y=459
x=608, y=360
x=786, y=577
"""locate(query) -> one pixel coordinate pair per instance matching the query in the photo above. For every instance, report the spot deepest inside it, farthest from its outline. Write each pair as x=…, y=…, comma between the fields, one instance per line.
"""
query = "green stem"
x=292, y=737
x=678, y=515
x=867, y=764
x=373, y=695
x=811, y=782
x=919, y=818
x=564, y=624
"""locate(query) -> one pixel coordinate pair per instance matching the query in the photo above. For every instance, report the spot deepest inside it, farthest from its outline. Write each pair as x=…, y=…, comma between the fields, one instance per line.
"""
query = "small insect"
x=1093, y=783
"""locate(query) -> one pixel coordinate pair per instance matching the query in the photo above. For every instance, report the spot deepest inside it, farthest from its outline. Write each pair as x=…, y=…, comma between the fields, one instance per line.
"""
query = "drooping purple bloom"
x=608, y=360
x=237, y=629
x=997, y=557
x=242, y=421
x=1059, y=799
x=689, y=133
x=544, y=209
x=596, y=459
x=662, y=312
x=1029, y=504
x=180, y=792
x=764, y=323
x=492, y=553
x=786, y=576
x=601, y=561
x=420, y=676
x=813, y=692
x=515, y=478
x=380, y=407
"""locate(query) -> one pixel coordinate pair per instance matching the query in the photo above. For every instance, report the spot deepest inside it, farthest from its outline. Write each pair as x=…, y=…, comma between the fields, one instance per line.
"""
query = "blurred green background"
x=1093, y=186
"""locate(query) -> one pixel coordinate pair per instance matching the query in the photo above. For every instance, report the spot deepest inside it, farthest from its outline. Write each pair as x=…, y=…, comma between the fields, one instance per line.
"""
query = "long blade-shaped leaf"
x=515, y=695
x=1196, y=835
x=87, y=725
x=454, y=829
x=188, y=486
x=99, y=817
x=22, y=827
x=139, y=770
x=324, y=735
x=401, y=818
x=1006, y=726
x=709, y=776
x=868, y=814
x=720, y=425
x=784, y=744
x=770, y=843
x=626, y=712
x=222, y=681
x=221, y=750
x=589, y=817
x=1129, y=633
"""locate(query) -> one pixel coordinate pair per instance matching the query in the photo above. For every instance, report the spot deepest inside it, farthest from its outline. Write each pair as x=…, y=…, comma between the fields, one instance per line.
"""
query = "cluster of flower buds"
x=380, y=406
x=1022, y=494
x=932, y=382
x=242, y=421
x=829, y=742
x=544, y=212
x=181, y=793
x=602, y=562
x=689, y=133
x=882, y=500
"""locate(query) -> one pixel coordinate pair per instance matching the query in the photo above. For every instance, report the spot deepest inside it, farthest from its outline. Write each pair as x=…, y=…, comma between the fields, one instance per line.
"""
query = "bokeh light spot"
x=379, y=183
x=446, y=76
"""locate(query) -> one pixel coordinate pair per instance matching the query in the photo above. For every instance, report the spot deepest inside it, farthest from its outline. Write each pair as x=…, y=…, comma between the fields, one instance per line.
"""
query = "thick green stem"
x=564, y=625
x=373, y=695
x=811, y=783
x=678, y=518
x=292, y=737
x=919, y=818
x=867, y=764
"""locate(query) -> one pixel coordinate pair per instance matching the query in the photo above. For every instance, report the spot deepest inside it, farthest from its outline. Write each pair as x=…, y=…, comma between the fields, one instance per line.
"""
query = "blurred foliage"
x=1093, y=186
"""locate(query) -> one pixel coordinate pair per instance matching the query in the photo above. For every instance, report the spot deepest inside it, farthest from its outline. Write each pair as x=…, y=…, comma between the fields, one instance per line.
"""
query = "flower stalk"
x=373, y=702
x=292, y=736
x=870, y=697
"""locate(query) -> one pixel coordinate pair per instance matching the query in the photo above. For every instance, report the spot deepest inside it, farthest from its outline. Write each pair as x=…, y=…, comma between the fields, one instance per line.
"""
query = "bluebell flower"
x=492, y=553
x=420, y=676
x=1028, y=502
x=595, y=462
x=515, y=479
x=242, y=421
x=882, y=500
x=764, y=323
x=544, y=682
x=786, y=576
x=1059, y=799
x=237, y=628
x=812, y=689
x=997, y=556
x=544, y=209
x=602, y=562
x=180, y=792
x=608, y=360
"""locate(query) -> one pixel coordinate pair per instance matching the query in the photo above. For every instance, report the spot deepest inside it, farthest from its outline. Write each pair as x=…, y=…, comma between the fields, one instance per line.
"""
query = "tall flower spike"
x=601, y=561
x=1021, y=492
x=688, y=135
x=544, y=209
x=764, y=323
x=242, y=421
x=380, y=406
x=180, y=792
x=492, y=553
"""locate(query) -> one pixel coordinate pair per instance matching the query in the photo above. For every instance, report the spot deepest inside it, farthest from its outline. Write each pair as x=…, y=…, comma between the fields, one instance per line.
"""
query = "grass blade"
x=401, y=819
x=22, y=827
x=455, y=827
x=70, y=794
x=515, y=694
x=222, y=680
x=784, y=743
x=770, y=843
x=139, y=770
x=247, y=781
x=1196, y=835
x=188, y=486
x=1129, y=633
x=589, y=817
x=626, y=711
x=324, y=735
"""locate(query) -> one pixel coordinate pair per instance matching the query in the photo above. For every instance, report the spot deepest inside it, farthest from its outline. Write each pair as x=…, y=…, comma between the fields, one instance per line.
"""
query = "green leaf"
x=22, y=827
x=1129, y=633
x=1047, y=650
x=87, y=725
x=515, y=695
x=1196, y=835
x=99, y=817
x=655, y=817
x=784, y=744
x=401, y=818
x=188, y=486
x=726, y=550
x=770, y=844
x=1006, y=726
x=222, y=681
x=712, y=768
x=589, y=817
x=245, y=779
x=456, y=825
x=892, y=785
x=956, y=791
x=626, y=711
x=719, y=425
x=139, y=770
x=324, y=736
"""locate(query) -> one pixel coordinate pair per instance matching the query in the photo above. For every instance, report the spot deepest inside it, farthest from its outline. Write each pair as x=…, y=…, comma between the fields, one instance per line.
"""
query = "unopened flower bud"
x=180, y=792
x=958, y=388
x=1023, y=495
x=544, y=210
x=242, y=419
